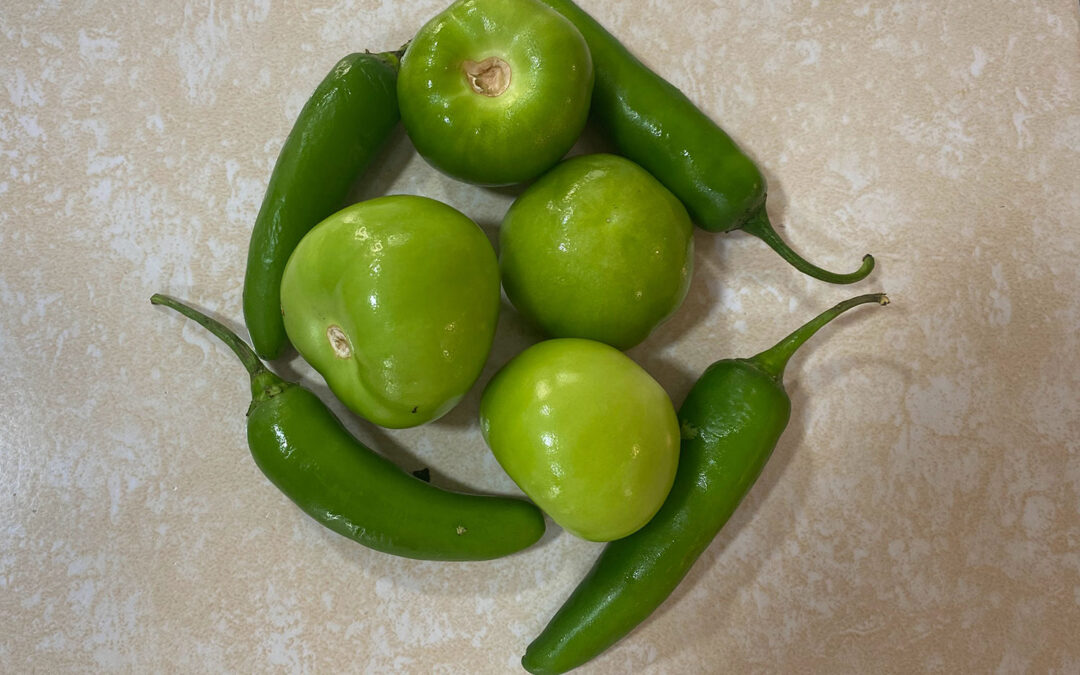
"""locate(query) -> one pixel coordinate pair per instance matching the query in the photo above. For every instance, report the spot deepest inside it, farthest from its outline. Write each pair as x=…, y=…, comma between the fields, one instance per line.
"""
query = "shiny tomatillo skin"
x=306, y=452
x=494, y=92
x=339, y=131
x=394, y=301
x=731, y=421
x=586, y=433
x=657, y=126
x=597, y=248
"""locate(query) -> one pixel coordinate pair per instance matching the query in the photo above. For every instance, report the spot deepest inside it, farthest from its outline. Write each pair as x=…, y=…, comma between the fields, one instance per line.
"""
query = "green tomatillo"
x=597, y=248
x=394, y=301
x=586, y=433
x=494, y=92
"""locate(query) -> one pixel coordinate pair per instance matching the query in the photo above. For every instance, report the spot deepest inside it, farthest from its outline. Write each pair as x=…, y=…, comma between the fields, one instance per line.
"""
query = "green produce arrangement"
x=394, y=302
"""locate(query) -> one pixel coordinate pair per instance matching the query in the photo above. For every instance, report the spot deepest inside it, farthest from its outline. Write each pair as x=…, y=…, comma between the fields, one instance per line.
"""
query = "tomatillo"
x=586, y=433
x=494, y=92
x=597, y=248
x=394, y=301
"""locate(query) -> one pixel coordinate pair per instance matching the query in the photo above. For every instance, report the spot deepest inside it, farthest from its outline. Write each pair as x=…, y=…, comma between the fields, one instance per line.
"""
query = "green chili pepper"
x=336, y=136
x=657, y=126
x=306, y=452
x=731, y=421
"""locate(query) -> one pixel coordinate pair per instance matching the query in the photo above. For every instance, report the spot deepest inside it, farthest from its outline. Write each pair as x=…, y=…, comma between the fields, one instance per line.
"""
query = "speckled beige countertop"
x=922, y=512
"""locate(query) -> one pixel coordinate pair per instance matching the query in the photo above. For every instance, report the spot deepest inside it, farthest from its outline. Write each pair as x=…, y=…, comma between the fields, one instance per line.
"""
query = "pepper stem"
x=392, y=59
x=247, y=356
x=759, y=226
x=775, y=359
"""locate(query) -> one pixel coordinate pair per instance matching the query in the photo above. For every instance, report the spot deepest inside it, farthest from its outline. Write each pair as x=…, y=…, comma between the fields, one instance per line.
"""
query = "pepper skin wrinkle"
x=731, y=420
x=654, y=124
x=309, y=455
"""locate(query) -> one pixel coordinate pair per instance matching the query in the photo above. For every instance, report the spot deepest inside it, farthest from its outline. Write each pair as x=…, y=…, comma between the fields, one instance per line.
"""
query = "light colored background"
x=922, y=512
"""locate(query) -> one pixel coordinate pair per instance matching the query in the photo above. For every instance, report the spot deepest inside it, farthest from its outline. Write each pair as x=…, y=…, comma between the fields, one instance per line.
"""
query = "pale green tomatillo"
x=394, y=301
x=597, y=248
x=586, y=433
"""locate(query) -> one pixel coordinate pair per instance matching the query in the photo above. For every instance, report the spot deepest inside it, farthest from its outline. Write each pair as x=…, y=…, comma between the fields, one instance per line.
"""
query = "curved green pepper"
x=336, y=136
x=731, y=421
x=657, y=126
x=306, y=452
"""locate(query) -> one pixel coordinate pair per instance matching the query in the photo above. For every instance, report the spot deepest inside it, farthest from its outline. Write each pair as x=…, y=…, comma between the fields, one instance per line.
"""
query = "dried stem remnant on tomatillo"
x=338, y=342
x=490, y=77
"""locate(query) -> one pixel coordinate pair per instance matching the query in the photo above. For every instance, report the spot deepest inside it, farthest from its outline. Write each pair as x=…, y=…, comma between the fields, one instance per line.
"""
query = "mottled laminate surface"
x=921, y=514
